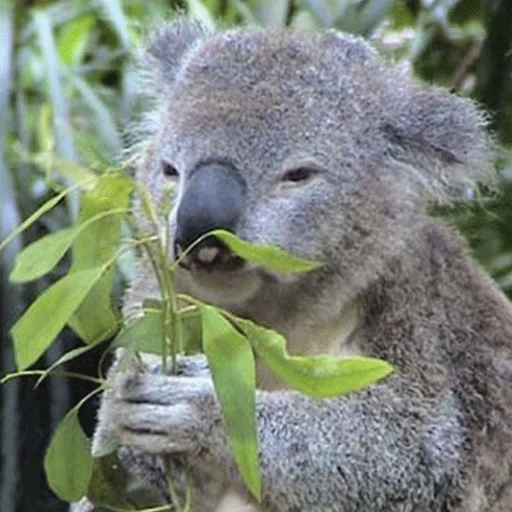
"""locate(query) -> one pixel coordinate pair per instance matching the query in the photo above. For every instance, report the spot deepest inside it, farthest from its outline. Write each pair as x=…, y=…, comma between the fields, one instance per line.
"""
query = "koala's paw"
x=163, y=414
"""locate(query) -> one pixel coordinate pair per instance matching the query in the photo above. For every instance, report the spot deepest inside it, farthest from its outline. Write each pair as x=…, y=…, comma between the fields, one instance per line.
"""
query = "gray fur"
x=436, y=436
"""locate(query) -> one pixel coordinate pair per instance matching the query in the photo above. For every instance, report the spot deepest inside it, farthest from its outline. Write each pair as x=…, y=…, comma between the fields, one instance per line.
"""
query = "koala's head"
x=305, y=141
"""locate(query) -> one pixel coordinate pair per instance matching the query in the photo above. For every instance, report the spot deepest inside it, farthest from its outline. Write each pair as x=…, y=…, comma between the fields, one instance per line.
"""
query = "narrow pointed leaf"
x=47, y=206
x=271, y=257
x=97, y=317
x=231, y=362
x=68, y=460
x=319, y=376
x=144, y=334
x=41, y=257
x=34, y=332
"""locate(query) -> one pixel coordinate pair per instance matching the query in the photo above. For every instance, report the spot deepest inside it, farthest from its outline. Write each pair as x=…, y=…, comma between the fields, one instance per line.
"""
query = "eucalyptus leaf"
x=232, y=365
x=319, y=376
x=34, y=332
x=97, y=318
x=46, y=207
x=40, y=257
x=144, y=334
x=68, y=460
x=271, y=257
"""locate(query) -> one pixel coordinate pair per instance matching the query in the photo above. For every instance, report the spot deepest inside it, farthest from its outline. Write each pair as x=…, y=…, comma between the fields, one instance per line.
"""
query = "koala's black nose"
x=213, y=198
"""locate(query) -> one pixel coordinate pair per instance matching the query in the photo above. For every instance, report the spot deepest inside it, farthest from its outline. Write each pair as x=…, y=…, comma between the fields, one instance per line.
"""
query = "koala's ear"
x=442, y=139
x=169, y=44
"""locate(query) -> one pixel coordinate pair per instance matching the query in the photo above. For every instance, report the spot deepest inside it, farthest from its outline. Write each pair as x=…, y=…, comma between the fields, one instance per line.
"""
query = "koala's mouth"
x=214, y=274
x=210, y=255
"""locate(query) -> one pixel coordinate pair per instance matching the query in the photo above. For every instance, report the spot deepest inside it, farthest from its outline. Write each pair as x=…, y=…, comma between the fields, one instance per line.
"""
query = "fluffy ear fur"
x=171, y=43
x=442, y=138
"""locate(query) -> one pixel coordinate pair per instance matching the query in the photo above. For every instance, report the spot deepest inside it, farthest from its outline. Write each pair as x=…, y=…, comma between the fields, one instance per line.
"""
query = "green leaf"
x=232, y=366
x=268, y=256
x=96, y=318
x=34, y=332
x=68, y=460
x=40, y=257
x=319, y=376
x=144, y=334
x=47, y=206
x=191, y=326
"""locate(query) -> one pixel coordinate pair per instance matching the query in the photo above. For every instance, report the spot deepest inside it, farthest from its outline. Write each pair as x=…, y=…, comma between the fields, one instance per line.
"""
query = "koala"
x=313, y=143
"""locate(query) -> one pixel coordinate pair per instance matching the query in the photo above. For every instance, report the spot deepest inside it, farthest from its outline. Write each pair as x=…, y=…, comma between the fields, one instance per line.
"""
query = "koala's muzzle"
x=213, y=198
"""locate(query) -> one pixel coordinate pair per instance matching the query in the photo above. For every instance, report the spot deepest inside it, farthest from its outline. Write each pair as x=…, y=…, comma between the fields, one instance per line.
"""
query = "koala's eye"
x=300, y=174
x=169, y=170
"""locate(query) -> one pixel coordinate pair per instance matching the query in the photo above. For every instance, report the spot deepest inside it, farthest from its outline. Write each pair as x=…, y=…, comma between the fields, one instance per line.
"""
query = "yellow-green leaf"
x=232, y=365
x=96, y=318
x=47, y=206
x=41, y=256
x=144, y=334
x=34, y=332
x=271, y=257
x=319, y=376
x=68, y=460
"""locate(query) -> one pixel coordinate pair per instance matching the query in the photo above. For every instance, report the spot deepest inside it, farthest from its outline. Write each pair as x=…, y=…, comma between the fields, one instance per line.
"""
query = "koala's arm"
x=376, y=448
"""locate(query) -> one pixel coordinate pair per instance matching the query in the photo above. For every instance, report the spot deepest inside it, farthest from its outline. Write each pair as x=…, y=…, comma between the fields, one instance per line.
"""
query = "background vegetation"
x=67, y=94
